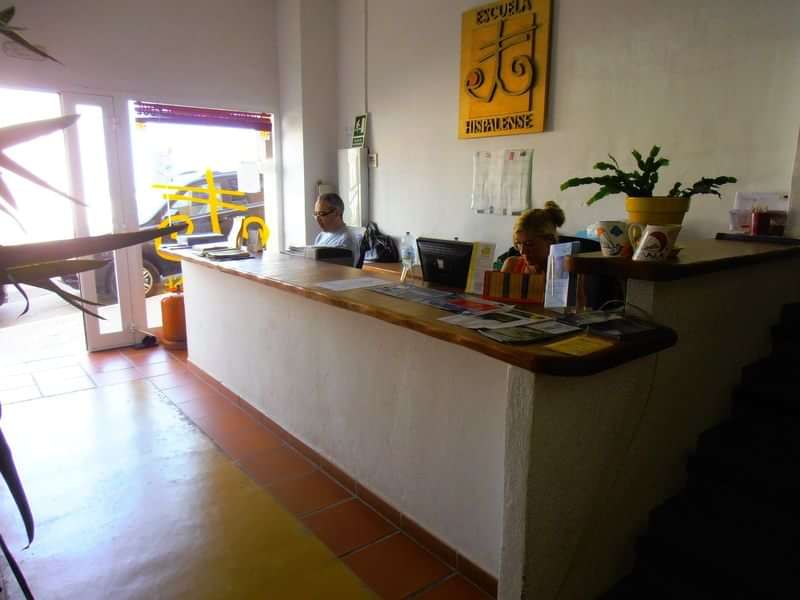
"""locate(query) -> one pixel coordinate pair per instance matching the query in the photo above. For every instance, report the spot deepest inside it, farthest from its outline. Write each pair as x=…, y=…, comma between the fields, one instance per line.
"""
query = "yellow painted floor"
x=164, y=514
x=145, y=483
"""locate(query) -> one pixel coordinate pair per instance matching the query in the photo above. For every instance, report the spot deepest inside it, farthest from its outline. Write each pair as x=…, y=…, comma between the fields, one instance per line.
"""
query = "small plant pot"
x=658, y=210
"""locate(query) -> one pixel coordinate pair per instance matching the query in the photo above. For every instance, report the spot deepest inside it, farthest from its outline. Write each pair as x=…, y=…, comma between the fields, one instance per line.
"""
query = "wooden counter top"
x=299, y=276
x=697, y=257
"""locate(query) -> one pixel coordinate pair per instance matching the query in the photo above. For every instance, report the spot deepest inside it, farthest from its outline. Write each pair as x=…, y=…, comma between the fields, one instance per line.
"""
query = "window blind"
x=153, y=112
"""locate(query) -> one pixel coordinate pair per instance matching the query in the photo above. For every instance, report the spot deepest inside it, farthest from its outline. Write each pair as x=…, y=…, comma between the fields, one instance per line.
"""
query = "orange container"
x=173, y=318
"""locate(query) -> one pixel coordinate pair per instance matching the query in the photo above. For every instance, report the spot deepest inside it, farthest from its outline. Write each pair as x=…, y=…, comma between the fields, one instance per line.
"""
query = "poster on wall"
x=505, y=49
x=359, y=131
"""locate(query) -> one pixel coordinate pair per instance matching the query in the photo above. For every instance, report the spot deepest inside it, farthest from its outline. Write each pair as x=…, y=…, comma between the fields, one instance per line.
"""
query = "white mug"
x=655, y=242
x=613, y=237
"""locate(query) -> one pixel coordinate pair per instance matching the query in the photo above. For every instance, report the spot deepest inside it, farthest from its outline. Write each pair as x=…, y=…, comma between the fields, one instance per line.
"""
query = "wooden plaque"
x=505, y=52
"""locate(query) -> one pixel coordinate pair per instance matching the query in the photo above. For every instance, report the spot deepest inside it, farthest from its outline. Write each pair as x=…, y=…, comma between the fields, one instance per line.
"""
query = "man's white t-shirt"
x=341, y=238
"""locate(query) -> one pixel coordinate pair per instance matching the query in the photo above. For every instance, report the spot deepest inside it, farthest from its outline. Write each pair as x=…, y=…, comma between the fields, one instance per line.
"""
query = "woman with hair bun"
x=534, y=232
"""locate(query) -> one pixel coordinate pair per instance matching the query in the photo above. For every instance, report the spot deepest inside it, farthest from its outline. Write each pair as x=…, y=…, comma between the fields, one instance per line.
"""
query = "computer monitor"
x=445, y=262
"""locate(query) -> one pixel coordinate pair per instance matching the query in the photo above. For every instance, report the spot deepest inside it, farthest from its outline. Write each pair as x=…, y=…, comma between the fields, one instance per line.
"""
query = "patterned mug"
x=653, y=242
x=613, y=237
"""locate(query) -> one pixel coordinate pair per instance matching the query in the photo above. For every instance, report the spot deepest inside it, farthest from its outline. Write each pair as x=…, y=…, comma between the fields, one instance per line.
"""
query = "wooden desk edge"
x=548, y=362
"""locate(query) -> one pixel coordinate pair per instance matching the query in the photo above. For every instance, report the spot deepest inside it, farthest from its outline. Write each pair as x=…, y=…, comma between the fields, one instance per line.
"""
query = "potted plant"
x=642, y=206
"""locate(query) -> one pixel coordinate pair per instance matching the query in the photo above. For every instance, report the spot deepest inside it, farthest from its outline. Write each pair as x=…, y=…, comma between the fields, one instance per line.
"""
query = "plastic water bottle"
x=407, y=253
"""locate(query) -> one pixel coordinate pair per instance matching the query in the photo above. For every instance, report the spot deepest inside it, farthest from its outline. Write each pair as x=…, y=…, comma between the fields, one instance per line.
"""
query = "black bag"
x=377, y=246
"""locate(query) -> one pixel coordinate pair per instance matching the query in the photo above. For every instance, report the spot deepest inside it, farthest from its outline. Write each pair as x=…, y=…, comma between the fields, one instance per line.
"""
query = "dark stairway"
x=734, y=532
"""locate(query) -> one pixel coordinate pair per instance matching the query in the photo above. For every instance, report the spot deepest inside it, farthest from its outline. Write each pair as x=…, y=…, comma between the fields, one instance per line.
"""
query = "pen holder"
x=759, y=223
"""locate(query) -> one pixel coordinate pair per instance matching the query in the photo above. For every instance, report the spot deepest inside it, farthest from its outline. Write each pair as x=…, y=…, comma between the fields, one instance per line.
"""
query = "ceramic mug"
x=613, y=237
x=653, y=242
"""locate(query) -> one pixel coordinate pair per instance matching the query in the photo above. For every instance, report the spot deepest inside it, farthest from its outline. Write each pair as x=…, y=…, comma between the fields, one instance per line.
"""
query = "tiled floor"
x=109, y=447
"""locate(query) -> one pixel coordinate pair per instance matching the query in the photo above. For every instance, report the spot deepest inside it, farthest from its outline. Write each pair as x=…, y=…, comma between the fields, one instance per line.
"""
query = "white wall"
x=374, y=402
x=713, y=83
x=307, y=39
x=193, y=51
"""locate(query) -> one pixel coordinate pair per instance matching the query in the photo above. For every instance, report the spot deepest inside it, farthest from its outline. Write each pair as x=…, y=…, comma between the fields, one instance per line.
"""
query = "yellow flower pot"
x=658, y=210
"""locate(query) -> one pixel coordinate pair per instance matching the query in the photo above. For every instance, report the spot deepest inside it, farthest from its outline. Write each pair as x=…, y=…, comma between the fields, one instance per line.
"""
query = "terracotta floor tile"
x=120, y=376
x=309, y=493
x=59, y=374
x=146, y=355
x=276, y=464
x=181, y=355
x=172, y=380
x=28, y=392
x=101, y=362
x=191, y=390
x=454, y=588
x=161, y=368
x=11, y=382
x=396, y=567
x=206, y=406
x=348, y=526
x=238, y=435
x=51, y=388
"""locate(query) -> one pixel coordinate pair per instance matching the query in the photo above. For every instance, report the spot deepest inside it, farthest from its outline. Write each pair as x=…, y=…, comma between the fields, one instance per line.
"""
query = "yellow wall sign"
x=505, y=50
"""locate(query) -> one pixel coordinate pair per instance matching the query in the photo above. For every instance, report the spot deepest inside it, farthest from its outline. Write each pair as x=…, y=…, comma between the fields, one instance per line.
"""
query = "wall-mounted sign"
x=359, y=131
x=505, y=49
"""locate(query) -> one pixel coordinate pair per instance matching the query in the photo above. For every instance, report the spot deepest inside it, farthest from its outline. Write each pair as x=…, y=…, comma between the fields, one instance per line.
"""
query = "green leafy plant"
x=36, y=264
x=641, y=183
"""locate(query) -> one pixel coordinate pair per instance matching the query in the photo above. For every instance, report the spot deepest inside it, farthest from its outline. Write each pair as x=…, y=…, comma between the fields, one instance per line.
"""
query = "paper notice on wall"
x=794, y=194
x=501, y=181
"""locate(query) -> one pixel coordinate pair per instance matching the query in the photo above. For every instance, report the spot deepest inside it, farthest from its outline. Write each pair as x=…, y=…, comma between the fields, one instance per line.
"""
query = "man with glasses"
x=328, y=211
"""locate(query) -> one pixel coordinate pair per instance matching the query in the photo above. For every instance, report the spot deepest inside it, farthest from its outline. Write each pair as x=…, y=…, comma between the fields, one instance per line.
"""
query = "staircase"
x=734, y=532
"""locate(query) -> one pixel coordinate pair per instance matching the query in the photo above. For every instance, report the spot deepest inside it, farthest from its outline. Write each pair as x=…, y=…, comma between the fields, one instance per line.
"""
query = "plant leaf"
x=11, y=135
x=23, y=584
x=24, y=295
x=17, y=38
x=7, y=14
x=9, y=471
x=67, y=297
x=48, y=270
x=40, y=252
x=14, y=167
x=62, y=293
x=5, y=193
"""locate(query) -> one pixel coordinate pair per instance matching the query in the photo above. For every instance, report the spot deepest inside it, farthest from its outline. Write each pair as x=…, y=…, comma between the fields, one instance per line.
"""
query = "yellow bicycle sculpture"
x=215, y=202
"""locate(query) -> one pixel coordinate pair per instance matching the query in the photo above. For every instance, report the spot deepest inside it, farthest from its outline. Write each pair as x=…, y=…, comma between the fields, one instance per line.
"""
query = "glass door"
x=94, y=166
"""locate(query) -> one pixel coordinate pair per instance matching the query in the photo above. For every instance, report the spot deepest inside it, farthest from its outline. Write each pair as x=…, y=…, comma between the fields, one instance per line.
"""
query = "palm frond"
x=41, y=252
x=11, y=477
x=47, y=270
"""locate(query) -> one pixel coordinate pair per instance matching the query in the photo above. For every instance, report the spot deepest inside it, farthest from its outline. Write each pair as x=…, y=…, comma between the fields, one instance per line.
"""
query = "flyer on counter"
x=580, y=345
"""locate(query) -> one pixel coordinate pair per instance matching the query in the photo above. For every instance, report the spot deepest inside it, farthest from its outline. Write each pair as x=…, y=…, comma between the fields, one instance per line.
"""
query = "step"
x=734, y=506
x=774, y=399
x=759, y=434
x=717, y=556
x=676, y=575
x=728, y=543
x=775, y=485
x=790, y=314
x=771, y=370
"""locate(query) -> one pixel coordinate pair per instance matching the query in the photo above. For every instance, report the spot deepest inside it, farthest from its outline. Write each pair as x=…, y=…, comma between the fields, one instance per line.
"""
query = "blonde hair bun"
x=556, y=213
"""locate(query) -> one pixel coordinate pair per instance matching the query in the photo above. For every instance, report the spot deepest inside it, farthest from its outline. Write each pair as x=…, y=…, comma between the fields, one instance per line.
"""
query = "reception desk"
x=535, y=467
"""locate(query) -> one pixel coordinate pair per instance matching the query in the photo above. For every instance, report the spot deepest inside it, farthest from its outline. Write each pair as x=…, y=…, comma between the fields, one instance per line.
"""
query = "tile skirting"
x=481, y=578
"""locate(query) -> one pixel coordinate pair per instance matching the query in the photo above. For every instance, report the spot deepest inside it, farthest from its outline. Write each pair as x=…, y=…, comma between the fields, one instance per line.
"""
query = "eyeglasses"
x=324, y=213
x=547, y=239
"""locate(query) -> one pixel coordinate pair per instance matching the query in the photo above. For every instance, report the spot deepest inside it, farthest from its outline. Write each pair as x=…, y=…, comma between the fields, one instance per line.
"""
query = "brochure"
x=623, y=328
x=517, y=335
x=494, y=320
x=555, y=328
x=411, y=292
x=590, y=318
x=472, y=304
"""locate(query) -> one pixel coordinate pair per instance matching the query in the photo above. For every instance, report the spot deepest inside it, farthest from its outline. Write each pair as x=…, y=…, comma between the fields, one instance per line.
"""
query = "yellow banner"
x=505, y=48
